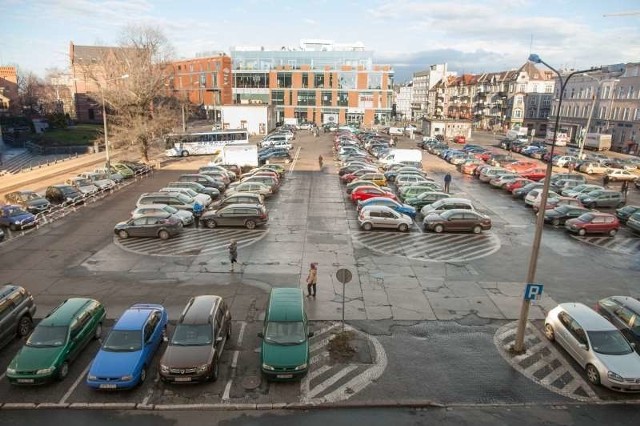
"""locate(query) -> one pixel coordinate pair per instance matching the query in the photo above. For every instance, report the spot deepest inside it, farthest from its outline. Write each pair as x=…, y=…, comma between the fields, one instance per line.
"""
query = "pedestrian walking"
x=197, y=213
x=447, y=182
x=320, y=159
x=605, y=181
x=312, y=280
x=571, y=166
x=233, y=253
x=624, y=188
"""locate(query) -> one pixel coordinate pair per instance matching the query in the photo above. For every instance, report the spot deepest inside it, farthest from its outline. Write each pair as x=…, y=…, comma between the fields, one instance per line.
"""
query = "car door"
x=597, y=224
x=80, y=334
x=389, y=218
x=219, y=331
x=623, y=318
x=8, y=320
x=138, y=227
x=152, y=339
x=456, y=222
x=225, y=216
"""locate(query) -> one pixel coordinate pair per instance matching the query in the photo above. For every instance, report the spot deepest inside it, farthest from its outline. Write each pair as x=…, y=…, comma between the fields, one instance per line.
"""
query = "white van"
x=518, y=133
x=398, y=131
x=400, y=155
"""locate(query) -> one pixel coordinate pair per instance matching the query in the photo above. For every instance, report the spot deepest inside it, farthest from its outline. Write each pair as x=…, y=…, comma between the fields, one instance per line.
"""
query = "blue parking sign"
x=533, y=291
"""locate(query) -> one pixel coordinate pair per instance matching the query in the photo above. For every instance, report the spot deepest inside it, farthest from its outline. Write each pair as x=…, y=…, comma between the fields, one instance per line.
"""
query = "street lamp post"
x=104, y=121
x=518, y=346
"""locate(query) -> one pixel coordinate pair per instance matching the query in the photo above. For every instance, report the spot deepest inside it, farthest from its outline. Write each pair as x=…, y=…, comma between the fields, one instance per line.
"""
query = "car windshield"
x=285, y=332
x=609, y=342
x=587, y=217
x=170, y=209
x=14, y=211
x=83, y=182
x=562, y=209
x=184, y=199
x=192, y=335
x=47, y=336
x=32, y=196
x=594, y=193
x=123, y=341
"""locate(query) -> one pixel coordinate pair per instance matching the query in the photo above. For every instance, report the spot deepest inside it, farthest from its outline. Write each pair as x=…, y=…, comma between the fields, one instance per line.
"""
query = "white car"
x=185, y=216
x=203, y=199
x=534, y=197
x=564, y=160
x=84, y=185
x=99, y=180
x=615, y=175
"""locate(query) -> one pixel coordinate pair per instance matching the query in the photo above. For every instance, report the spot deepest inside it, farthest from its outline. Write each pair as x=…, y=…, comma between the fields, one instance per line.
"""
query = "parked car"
x=194, y=351
x=580, y=189
x=253, y=187
x=83, y=185
x=502, y=180
x=535, y=174
x=425, y=198
x=565, y=160
x=378, y=216
x=491, y=172
x=247, y=215
x=624, y=213
x=203, y=199
x=395, y=205
x=456, y=220
x=624, y=313
x=16, y=218
x=29, y=200
x=410, y=179
x=205, y=180
x=99, y=180
x=596, y=345
x=633, y=223
x=516, y=184
x=174, y=199
x=560, y=214
x=560, y=185
x=593, y=223
x=365, y=192
x=410, y=191
x=447, y=204
x=602, y=198
x=521, y=193
x=197, y=187
x=184, y=216
x=534, y=197
x=16, y=312
x=57, y=341
x=241, y=198
x=552, y=203
x=163, y=226
x=592, y=167
x=616, y=175
x=126, y=354
x=109, y=174
x=63, y=194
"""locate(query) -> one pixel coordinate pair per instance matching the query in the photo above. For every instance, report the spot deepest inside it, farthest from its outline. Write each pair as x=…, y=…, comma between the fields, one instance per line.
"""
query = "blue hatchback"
x=125, y=356
x=15, y=217
x=382, y=201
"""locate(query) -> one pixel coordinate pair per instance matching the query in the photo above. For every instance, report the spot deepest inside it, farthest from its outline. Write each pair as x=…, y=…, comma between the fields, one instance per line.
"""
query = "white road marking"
x=327, y=383
x=2, y=376
x=149, y=394
x=295, y=160
x=75, y=385
x=234, y=363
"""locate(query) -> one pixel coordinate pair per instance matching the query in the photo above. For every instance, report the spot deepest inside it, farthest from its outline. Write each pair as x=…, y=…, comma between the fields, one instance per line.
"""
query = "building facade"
x=424, y=99
x=8, y=89
x=320, y=81
x=608, y=101
x=403, y=102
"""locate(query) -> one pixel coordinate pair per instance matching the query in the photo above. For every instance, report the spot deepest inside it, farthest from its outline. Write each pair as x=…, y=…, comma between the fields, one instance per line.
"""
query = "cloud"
x=310, y=21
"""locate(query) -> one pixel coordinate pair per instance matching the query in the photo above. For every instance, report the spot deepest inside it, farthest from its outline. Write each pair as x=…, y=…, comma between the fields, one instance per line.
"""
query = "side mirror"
x=261, y=335
x=165, y=339
x=311, y=334
x=633, y=345
x=219, y=339
x=582, y=346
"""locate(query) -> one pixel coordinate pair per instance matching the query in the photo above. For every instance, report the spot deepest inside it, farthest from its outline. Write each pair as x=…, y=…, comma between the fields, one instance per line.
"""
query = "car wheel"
x=438, y=228
x=123, y=234
x=164, y=235
x=582, y=232
x=215, y=372
x=367, y=226
x=184, y=153
x=211, y=223
x=555, y=222
x=403, y=227
x=13, y=227
x=613, y=232
x=592, y=375
x=250, y=224
x=477, y=229
x=63, y=371
x=549, y=333
x=24, y=326
x=143, y=375
x=98, y=332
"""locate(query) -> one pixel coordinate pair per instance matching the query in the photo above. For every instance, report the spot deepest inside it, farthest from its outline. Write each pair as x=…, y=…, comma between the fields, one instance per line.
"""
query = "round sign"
x=343, y=275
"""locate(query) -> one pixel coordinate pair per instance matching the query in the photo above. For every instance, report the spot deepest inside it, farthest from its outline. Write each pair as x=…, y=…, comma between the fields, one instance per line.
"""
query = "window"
x=348, y=80
x=603, y=112
x=375, y=80
x=327, y=98
x=277, y=97
x=306, y=97
x=548, y=88
x=92, y=114
x=305, y=80
x=318, y=80
x=284, y=80
x=343, y=99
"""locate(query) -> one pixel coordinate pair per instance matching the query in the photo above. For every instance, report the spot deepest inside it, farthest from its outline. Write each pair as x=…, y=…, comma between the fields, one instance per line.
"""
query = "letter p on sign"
x=533, y=291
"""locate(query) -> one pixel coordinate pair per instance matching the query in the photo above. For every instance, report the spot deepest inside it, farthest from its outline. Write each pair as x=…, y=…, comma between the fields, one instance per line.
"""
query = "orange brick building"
x=8, y=89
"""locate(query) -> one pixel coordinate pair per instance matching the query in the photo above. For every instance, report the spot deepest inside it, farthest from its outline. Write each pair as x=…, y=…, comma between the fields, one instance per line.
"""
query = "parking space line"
x=327, y=383
x=3, y=375
x=243, y=325
x=149, y=394
x=75, y=384
x=315, y=373
x=234, y=363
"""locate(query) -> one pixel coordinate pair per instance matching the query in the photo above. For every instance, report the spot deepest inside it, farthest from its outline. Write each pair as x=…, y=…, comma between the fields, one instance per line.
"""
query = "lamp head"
x=535, y=58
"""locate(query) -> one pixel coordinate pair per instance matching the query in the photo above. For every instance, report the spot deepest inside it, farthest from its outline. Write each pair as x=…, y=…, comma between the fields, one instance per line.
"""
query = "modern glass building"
x=320, y=81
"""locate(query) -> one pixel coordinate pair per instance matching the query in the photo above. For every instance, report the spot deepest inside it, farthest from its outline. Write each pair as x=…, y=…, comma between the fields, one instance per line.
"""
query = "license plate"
x=25, y=380
x=183, y=379
x=284, y=376
x=107, y=386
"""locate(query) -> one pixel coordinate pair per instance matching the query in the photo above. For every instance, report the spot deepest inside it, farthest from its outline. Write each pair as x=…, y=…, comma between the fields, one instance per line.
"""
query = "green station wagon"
x=284, y=353
x=56, y=341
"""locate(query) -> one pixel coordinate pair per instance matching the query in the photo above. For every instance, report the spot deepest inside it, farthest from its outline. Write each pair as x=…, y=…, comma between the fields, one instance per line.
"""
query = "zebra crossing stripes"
x=192, y=242
x=618, y=244
x=328, y=382
x=430, y=247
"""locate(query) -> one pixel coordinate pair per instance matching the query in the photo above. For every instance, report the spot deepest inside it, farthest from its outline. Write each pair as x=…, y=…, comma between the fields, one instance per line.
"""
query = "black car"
x=205, y=180
x=30, y=200
x=522, y=192
x=560, y=214
x=623, y=213
x=17, y=310
x=277, y=155
x=160, y=226
x=63, y=194
x=247, y=215
x=623, y=312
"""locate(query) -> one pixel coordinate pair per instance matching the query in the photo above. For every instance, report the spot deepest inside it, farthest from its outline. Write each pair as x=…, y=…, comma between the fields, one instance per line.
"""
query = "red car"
x=459, y=139
x=468, y=168
x=365, y=192
x=534, y=174
x=521, y=166
x=484, y=156
x=593, y=223
x=518, y=183
x=349, y=177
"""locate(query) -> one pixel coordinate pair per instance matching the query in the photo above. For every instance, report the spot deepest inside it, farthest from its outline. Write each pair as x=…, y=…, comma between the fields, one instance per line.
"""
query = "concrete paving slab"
x=484, y=307
x=408, y=304
x=449, y=308
x=465, y=289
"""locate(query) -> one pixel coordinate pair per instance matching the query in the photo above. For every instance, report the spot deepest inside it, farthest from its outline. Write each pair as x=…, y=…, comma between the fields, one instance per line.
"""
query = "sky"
x=470, y=36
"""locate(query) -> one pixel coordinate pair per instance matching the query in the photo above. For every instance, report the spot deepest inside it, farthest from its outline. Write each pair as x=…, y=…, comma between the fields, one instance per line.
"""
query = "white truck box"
x=597, y=141
x=514, y=134
x=399, y=155
x=243, y=155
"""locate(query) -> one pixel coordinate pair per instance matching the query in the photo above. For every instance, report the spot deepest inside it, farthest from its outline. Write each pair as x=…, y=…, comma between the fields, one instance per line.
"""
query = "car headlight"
x=614, y=376
x=126, y=378
x=91, y=377
x=164, y=368
x=302, y=366
x=267, y=367
x=45, y=370
x=11, y=370
x=203, y=368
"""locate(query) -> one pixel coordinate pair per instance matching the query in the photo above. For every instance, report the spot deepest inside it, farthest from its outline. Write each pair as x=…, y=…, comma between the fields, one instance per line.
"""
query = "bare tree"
x=132, y=81
x=29, y=93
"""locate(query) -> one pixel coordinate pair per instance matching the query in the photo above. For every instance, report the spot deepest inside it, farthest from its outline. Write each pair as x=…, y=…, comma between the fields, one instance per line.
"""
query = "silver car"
x=596, y=344
x=185, y=216
x=377, y=216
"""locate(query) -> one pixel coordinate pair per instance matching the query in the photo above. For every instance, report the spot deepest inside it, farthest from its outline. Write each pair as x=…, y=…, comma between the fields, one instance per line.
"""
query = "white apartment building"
x=404, y=98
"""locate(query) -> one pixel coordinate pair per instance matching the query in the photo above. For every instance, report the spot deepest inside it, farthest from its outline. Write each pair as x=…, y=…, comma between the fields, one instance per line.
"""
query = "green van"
x=284, y=353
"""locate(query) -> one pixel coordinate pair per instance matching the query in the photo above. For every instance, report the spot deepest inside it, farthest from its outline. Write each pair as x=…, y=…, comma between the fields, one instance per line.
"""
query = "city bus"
x=205, y=143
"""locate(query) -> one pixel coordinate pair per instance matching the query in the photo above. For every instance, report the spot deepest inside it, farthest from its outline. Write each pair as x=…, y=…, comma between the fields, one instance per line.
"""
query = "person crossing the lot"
x=447, y=182
x=233, y=253
x=197, y=212
x=312, y=280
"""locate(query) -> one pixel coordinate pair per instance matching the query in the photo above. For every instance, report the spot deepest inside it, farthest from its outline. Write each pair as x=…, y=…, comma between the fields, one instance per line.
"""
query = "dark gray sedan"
x=155, y=226
x=247, y=215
